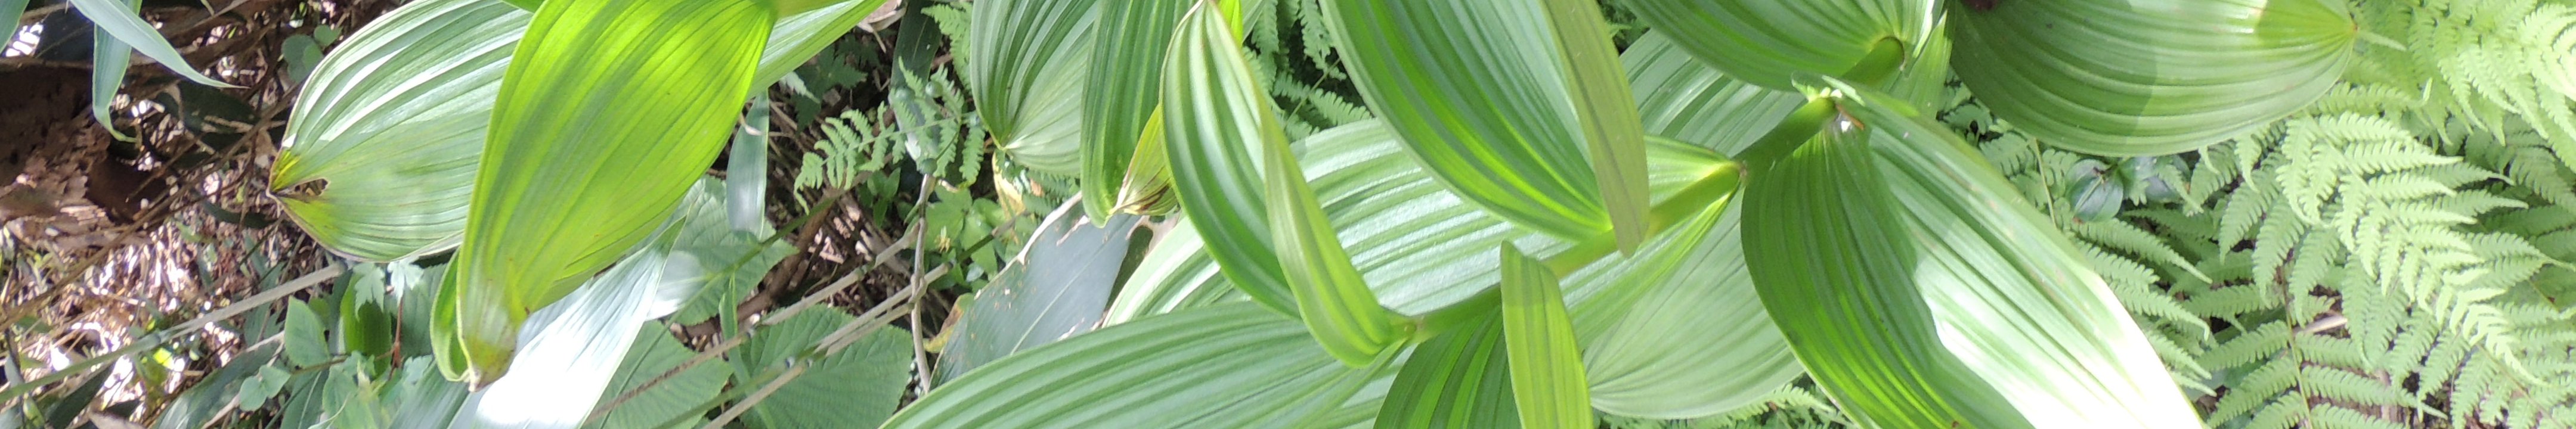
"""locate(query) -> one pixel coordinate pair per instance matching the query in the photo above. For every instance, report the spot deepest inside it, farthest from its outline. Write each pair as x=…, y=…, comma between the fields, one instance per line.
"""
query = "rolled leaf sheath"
x=610, y=109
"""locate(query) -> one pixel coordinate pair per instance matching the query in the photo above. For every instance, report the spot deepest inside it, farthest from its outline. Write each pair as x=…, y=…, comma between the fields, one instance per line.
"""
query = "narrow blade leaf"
x=1606, y=114
x=1123, y=92
x=117, y=19
x=1546, y=363
x=1215, y=132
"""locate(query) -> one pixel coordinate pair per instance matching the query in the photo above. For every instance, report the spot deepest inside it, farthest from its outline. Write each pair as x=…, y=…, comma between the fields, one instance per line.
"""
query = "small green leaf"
x=256, y=390
x=304, y=344
x=1546, y=363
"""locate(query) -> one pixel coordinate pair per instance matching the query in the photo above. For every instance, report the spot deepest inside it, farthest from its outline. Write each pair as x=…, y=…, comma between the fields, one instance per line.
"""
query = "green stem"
x=1800, y=126
x=1880, y=64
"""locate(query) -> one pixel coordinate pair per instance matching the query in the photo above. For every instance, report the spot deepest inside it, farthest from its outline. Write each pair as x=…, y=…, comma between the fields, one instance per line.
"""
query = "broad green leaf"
x=1768, y=42
x=1459, y=379
x=1216, y=129
x=799, y=35
x=1122, y=91
x=571, y=351
x=2148, y=77
x=1921, y=291
x=422, y=398
x=1683, y=98
x=1478, y=90
x=855, y=387
x=118, y=20
x=1224, y=366
x=1604, y=112
x=206, y=398
x=381, y=151
x=1056, y=288
x=1677, y=331
x=1546, y=363
x=655, y=353
x=365, y=328
x=609, y=111
x=1028, y=69
x=256, y=391
x=109, y=56
x=1411, y=238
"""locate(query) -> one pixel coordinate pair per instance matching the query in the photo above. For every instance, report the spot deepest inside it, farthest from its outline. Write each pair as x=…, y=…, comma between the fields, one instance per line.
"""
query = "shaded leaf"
x=1546, y=363
x=1122, y=92
x=1056, y=288
x=1028, y=69
x=855, y=387
x=1769, y=42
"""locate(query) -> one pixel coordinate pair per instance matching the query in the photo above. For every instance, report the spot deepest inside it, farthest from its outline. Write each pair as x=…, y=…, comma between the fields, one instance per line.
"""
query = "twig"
x=10, y=395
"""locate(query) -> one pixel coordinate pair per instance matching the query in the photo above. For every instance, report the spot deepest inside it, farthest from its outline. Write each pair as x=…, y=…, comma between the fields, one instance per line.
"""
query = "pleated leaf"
x=1122, y=92
x=1218, y=125
x=1605, y=113
x=1768, y=42
x=1546, y=364
x=1333, y=299
x=1030, y=63
x=381, y=151
x=1229, y=365
x=608, y=112
x=2149, y=77
x=1677, y=331
x=1411, y=238
x=1478, y=90
x=1456, y=380
x=1921, y=291
x=1683, y=98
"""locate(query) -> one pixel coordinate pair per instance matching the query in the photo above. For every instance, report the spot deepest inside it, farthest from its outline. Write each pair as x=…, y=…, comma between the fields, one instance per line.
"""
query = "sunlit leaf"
x=1546, y=364
x=1478, y=90
x=1218, y=124
x=1768, y=42
x=1683, y=98
x=2149, y=77
x=608, y=112
x=1228, y=365
x=1459, y=379
x=1921, y=291
x=381, y=151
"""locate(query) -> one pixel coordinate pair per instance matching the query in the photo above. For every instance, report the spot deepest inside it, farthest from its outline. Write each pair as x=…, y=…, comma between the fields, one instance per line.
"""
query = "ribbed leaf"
x=609, y=110
x=1123, y=90
x=1030, y=62
x=1410, y=237
x=1055, y=289
x=1477, y=88
x=1223, y=366
x=386, y=135
x=1546, y=363
x=1677, y=331
x=1605, y=113
x=1335, y=302
x=1683, y=98
x=1459, y=379
x=1218, y=124
x=1768, y=42
x=2148, y=77
x=1920, y=291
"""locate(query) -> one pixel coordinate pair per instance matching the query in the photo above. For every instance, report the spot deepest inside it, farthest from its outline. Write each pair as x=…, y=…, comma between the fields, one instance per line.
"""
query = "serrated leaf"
x=856, y=387
x=2150, y=77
